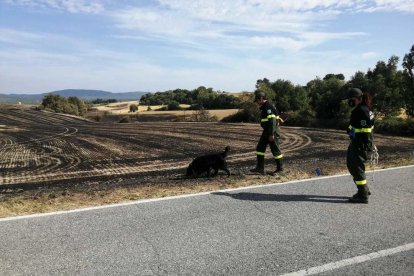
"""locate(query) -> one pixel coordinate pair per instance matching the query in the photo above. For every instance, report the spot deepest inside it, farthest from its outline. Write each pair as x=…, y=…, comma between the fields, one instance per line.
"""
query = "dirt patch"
x=5, y=128
x=61, y=162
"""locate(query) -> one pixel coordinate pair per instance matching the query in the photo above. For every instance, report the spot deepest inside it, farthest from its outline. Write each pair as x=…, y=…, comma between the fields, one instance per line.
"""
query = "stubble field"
x=51, y=159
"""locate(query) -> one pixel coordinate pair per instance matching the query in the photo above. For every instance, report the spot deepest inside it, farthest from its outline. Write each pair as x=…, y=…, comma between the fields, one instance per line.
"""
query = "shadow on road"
x=284, y=197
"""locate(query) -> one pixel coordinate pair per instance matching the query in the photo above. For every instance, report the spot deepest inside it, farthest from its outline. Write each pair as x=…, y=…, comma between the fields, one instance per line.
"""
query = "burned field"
x=47, y=149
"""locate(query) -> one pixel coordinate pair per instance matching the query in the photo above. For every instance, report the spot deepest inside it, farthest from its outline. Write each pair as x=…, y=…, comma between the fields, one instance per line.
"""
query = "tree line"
x=199, y=98
x=321, y=98
x=60, y=104
x=320, y=102
x=392, y=90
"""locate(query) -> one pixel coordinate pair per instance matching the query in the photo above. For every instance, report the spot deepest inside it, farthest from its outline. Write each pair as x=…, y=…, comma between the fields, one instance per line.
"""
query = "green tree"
x=299, y=100
x=282, y=90
x=133, y=108
x=202, y=97
x=264, y=86
x=326, y=97
x=408, y=65
x=289, y=97
x=386, y=85
x=359, y=80
x=59, y=104
x=54, y=102
x=336, y=76
x=174, y=105
x=77, y=106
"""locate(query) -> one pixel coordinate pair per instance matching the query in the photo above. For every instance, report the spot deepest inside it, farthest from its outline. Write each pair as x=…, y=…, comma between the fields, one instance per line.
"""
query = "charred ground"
x=40, y=149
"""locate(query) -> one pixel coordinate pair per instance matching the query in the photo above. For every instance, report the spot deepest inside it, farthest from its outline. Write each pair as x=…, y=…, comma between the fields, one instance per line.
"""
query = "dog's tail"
x=226, y=150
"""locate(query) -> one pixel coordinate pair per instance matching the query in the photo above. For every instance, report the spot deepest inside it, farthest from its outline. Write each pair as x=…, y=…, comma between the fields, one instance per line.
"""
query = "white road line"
x=184, y=196
x=351, y=261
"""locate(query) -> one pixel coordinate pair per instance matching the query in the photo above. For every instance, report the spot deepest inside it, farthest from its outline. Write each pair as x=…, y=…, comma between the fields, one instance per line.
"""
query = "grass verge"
x=43, y=200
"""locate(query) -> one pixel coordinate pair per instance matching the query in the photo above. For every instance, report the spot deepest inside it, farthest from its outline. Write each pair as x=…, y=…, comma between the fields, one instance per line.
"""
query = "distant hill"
x=84, y=94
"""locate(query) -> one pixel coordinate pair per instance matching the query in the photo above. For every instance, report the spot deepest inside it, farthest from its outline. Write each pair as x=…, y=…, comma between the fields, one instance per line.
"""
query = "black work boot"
x=279, y=166
x=259, y=166
x=361, y=196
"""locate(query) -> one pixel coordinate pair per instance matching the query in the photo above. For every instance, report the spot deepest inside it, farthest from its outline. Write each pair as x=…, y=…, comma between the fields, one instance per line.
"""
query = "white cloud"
x=369, y=55
x=72, y=6
x=289, y=25
x=17, y=37
x=223, y=44
x=154, y=21
x=390, y=5
x=301, y=40
x=205, y=28
x=181, y=17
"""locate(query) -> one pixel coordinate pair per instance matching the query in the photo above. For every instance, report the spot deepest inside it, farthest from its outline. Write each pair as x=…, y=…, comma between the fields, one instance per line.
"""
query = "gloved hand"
x=364, y=150
x=351, y=134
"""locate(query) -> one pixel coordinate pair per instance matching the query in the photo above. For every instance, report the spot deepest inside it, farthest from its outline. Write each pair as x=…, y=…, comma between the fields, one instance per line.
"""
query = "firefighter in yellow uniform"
x=269, y=121
x=360, y=132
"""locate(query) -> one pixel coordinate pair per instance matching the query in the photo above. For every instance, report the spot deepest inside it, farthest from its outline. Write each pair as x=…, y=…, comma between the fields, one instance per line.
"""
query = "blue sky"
x=157, y=45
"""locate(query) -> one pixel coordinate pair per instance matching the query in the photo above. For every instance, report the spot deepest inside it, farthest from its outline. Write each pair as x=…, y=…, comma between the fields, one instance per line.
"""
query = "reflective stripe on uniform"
x=260, y=153
x=278, y=156
x=361, y=130
x=269, y=117
x=361, y=182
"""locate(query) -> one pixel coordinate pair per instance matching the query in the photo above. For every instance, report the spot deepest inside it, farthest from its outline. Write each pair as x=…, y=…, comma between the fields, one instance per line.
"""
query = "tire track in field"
x=53, y=171
x=55, y=147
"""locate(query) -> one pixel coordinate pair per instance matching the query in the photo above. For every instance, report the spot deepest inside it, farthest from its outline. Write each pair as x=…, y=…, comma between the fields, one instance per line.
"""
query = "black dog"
x=204, y=164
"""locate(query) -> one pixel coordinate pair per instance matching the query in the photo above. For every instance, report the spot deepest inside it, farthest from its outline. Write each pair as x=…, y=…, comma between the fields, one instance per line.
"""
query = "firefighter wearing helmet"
x=360, y=133
x=269, y=121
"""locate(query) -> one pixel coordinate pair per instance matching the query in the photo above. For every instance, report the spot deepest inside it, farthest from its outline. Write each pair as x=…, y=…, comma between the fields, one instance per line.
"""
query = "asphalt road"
x=301, y=227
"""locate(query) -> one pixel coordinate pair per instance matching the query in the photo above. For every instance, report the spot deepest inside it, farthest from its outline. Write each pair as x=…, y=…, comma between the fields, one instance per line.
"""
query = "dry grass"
x=122, y=108
x=8, y=128
x=14, y=203
x=185, y=115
